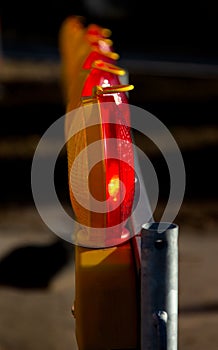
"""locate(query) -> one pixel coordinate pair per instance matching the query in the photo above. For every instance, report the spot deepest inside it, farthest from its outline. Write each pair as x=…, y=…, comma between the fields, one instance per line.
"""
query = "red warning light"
x=120, y=174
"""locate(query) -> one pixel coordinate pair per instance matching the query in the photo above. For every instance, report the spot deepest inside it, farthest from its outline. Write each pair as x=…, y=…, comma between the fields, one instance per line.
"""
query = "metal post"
x=159, y=286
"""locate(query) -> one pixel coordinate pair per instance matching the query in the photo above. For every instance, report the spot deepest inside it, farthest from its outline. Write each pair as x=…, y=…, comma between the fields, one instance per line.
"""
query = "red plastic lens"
x=120, y=174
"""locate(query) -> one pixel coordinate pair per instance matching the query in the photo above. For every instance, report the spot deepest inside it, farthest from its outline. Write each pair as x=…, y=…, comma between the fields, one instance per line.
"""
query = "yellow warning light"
x=113, y=187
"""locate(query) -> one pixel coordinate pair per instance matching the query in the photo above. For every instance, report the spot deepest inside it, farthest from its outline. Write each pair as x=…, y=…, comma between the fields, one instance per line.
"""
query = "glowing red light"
x=120, y=174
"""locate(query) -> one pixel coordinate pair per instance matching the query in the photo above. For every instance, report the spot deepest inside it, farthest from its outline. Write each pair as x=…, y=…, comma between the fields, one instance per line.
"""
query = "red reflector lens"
x=120, y=174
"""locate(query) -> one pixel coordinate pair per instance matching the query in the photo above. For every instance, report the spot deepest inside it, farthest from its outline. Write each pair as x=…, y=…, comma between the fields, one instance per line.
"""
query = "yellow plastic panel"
x=106, y=298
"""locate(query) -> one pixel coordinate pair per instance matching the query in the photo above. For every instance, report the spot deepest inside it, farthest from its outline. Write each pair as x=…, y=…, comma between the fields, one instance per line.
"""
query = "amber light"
x=114, y=187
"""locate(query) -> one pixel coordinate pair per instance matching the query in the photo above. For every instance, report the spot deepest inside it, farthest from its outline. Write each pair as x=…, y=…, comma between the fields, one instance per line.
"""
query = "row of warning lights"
x=98, y=38
x=110, y=68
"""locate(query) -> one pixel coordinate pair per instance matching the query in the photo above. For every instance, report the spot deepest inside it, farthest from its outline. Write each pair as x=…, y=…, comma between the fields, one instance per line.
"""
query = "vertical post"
x=159, y=286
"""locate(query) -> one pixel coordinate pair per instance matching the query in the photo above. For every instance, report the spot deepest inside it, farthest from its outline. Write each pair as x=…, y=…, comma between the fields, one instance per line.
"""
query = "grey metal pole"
x=159, y=286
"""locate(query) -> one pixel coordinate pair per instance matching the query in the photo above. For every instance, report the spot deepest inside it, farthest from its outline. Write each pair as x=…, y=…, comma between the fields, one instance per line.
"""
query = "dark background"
x=184, y=28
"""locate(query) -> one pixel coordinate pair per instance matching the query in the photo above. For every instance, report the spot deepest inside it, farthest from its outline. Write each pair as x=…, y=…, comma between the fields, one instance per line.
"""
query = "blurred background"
x=170, y=52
